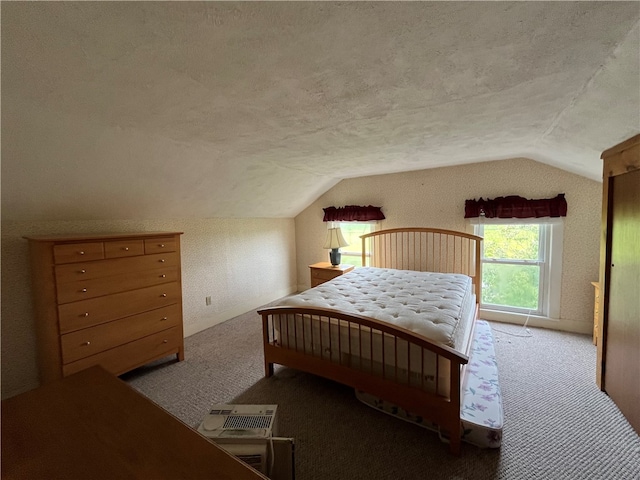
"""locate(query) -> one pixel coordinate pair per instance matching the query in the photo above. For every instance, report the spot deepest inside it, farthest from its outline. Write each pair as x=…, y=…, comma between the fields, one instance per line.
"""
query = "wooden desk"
x=93, y=425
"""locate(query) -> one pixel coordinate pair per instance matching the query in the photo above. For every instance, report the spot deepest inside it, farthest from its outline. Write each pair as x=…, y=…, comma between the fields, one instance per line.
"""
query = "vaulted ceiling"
x=253, y=109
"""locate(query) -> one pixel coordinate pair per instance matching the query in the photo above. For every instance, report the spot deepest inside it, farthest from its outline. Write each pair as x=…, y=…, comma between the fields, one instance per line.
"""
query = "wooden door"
x=622, y=367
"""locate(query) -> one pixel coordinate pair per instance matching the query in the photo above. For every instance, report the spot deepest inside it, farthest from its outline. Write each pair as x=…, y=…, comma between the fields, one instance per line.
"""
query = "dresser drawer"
x=133, y=354
x=323, y=271
x=123, y=248
x=97, y=287
x=86, y=313
x=159, y=245
x=78, y=252
x=115, y=266
x=90, y=341
x=324, y=274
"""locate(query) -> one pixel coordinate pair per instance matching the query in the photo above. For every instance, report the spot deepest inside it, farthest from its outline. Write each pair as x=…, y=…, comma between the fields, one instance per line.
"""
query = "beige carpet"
x=558, y=425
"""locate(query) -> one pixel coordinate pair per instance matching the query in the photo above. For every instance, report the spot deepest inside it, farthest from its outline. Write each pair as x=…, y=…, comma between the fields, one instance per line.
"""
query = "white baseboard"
x=244, y=307
x=537, y=321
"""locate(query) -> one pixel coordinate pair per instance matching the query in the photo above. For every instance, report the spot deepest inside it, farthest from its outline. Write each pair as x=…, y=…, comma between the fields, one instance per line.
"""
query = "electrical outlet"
x=207, y=300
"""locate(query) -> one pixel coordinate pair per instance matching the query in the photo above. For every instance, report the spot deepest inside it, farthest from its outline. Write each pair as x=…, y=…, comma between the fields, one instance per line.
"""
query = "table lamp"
x=334, y=241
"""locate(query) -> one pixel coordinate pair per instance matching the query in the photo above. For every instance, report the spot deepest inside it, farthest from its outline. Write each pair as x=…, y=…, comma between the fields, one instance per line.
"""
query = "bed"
x=399, y=328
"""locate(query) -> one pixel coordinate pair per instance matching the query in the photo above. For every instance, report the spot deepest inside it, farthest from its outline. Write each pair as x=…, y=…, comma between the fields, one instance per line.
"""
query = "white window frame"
x=350, y=250
x=550, y=262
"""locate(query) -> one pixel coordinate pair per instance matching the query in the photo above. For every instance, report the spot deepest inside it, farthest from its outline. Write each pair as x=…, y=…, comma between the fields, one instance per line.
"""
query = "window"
x=521, y=266
x=351, y=231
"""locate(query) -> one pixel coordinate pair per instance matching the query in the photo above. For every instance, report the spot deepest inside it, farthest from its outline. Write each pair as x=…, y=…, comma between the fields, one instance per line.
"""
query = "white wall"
x=245, y=263
x=241, y=263
x=435, y=198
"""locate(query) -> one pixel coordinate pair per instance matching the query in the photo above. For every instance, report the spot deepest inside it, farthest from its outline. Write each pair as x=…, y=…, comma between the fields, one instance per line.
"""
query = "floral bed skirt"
x=481, y=412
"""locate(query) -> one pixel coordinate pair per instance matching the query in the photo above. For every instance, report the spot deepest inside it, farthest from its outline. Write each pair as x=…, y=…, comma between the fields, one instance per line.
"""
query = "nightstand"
x=324, y=271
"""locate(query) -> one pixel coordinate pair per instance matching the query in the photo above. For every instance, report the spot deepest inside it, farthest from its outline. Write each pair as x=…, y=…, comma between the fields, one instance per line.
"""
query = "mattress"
x=481, y=411
x=439, y=306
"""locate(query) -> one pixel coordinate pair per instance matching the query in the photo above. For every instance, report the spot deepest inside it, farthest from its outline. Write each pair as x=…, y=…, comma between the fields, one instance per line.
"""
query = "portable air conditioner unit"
x=249, y=433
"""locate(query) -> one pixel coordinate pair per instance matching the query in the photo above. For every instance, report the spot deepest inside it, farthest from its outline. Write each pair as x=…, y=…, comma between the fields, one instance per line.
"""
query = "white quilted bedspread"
x=430, y=304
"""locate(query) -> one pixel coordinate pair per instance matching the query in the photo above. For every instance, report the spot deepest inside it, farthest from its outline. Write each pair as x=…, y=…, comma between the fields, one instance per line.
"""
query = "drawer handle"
x=165, y=341
x=161, y=245
x=161, y=260
x=163, y=295
x=81, y=252
x=84, y=290
x=85, y=314
x=82, y=271
x=163, y=276
x=126, y=249
x=86, y=344
x=163, y=319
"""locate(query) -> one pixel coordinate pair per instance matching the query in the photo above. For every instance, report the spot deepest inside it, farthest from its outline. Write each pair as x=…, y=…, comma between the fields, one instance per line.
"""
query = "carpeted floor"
x=558, y=425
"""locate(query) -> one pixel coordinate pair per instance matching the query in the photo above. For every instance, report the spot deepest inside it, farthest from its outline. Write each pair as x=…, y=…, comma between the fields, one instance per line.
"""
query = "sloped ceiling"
x=241, y=109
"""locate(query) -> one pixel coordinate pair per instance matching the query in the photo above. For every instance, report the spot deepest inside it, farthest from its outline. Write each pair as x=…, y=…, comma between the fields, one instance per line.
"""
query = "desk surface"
x=93, y=425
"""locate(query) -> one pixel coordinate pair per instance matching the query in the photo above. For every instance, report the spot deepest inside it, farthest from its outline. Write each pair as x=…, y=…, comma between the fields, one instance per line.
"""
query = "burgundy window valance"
x=516, y=207
x=352, y=213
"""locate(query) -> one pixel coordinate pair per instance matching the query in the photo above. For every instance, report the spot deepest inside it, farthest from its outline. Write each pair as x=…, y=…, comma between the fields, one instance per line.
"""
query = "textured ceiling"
x=243, y=109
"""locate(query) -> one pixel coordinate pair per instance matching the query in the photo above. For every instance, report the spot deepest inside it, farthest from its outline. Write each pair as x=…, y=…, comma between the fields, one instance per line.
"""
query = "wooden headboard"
x=424, y=250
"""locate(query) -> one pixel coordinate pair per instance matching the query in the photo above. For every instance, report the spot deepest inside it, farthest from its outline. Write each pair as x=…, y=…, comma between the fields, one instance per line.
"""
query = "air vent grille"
x=220, y=412
x=248, y=421
x=254, y=461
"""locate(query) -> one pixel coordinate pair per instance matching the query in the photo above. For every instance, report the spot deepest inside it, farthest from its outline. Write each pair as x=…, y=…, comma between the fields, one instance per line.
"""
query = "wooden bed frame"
x=420, y=249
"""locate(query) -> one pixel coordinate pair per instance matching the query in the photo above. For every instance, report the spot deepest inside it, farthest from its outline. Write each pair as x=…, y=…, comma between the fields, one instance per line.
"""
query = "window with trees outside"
x=351, y=231
x=521, y=267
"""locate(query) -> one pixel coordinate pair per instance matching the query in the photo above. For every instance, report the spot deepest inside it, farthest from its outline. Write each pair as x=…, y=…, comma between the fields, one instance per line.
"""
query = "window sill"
x=518, y=318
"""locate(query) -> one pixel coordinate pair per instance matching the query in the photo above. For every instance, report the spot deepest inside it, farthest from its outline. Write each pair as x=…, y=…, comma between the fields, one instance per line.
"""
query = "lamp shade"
x=335, y=239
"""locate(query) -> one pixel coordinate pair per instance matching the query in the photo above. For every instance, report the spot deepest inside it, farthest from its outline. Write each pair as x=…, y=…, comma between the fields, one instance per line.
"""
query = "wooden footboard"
x=409, y=370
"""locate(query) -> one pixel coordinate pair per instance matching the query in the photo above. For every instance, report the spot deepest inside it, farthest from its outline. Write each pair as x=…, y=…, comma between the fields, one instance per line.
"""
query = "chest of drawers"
x=110, y=300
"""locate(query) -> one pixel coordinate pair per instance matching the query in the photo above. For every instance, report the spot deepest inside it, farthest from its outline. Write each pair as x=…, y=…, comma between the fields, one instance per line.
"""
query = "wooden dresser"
x=110, y=300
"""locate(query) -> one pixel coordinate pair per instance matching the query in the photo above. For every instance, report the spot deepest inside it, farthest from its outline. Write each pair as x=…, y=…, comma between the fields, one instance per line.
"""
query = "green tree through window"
x=351, y=232
x=511, y=266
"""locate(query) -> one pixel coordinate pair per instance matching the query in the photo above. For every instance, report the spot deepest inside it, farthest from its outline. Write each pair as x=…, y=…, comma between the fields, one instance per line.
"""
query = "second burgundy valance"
x=352, y=213
x=514, y=206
